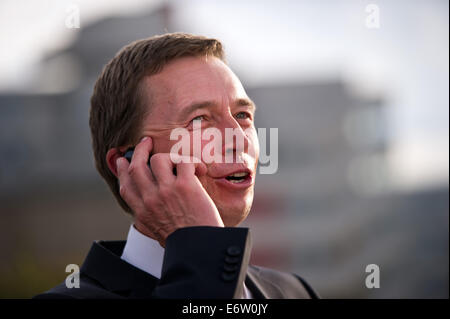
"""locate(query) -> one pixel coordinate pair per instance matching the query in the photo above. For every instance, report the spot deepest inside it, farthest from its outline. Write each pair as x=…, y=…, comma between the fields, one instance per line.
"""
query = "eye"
x=196, y=121
x=198, y=118
x=243, y=116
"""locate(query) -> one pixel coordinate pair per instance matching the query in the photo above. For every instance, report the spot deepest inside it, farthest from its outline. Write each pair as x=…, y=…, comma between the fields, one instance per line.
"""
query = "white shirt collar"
x=147, y=254
x=143, y=252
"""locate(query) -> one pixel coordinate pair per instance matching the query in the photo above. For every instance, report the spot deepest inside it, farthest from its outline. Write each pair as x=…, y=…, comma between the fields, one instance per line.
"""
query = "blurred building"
x=325, y=214
x=330, y=210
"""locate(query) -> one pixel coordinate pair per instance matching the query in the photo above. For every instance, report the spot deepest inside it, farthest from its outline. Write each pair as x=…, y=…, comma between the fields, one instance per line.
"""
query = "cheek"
x=210, y=187
x=253, y=144
x=162, y=144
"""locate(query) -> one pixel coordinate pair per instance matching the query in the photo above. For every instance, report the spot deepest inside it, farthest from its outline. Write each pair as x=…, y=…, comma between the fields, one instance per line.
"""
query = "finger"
x=138, y=168
x=189, y=167
x=162, y=168
x=127, y=189
x=200, y=169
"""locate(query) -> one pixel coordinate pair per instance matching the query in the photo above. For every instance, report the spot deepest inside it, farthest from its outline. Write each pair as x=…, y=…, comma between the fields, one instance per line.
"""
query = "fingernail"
x=144, y=138
x=118, y=162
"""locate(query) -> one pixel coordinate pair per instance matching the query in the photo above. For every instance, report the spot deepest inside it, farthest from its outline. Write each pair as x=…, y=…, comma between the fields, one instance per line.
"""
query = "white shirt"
x=147, y=254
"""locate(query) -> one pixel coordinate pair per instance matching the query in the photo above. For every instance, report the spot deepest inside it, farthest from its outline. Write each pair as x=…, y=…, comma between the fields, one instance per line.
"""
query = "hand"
x=161, y=201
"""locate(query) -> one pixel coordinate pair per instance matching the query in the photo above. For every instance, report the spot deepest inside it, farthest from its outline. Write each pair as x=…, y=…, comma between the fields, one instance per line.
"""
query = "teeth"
x=239, y=174
x=237, y=177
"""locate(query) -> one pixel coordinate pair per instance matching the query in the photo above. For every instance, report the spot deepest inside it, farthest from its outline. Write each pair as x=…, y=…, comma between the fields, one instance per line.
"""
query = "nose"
x=234, y=139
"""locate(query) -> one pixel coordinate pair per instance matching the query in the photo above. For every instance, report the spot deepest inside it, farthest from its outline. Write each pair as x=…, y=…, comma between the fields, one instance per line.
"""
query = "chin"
x=232, y=216
x=233, y=207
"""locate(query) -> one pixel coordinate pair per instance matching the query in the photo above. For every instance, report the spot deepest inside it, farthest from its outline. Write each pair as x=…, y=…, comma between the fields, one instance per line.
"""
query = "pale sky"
x=406, y=59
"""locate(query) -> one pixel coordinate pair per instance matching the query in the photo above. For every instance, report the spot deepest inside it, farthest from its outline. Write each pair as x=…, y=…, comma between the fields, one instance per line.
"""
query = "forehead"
x=190, y=79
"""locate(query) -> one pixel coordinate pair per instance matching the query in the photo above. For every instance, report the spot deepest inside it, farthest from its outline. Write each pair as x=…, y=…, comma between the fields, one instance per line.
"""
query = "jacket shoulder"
x=88, y=289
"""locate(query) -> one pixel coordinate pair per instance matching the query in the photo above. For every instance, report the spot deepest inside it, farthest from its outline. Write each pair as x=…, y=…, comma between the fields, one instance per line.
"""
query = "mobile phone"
x=129, y=154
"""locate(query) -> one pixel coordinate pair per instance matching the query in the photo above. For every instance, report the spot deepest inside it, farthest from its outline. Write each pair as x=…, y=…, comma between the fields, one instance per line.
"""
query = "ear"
x=111, y=157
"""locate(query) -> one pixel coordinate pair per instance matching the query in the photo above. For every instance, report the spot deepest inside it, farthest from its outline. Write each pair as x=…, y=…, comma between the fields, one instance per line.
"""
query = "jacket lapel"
x=104, y=265
x=260, y=287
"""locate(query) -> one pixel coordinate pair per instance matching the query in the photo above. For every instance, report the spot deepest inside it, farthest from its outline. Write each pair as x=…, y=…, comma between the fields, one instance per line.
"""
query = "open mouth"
x=237, y=178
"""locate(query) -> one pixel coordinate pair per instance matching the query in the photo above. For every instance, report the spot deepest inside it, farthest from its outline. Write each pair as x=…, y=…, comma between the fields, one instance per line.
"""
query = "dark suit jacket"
x=199, y=262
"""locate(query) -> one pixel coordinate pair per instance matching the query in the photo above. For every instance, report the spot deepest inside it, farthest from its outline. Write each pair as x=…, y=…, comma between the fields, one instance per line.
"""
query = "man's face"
x=205, y=88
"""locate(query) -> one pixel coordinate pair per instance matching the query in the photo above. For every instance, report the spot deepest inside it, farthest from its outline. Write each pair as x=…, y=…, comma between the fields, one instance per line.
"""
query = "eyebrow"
x=210, y=104
x=246, y=102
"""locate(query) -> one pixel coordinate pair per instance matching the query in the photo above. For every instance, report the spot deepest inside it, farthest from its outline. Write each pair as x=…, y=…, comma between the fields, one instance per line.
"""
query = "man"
x=184, y=241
